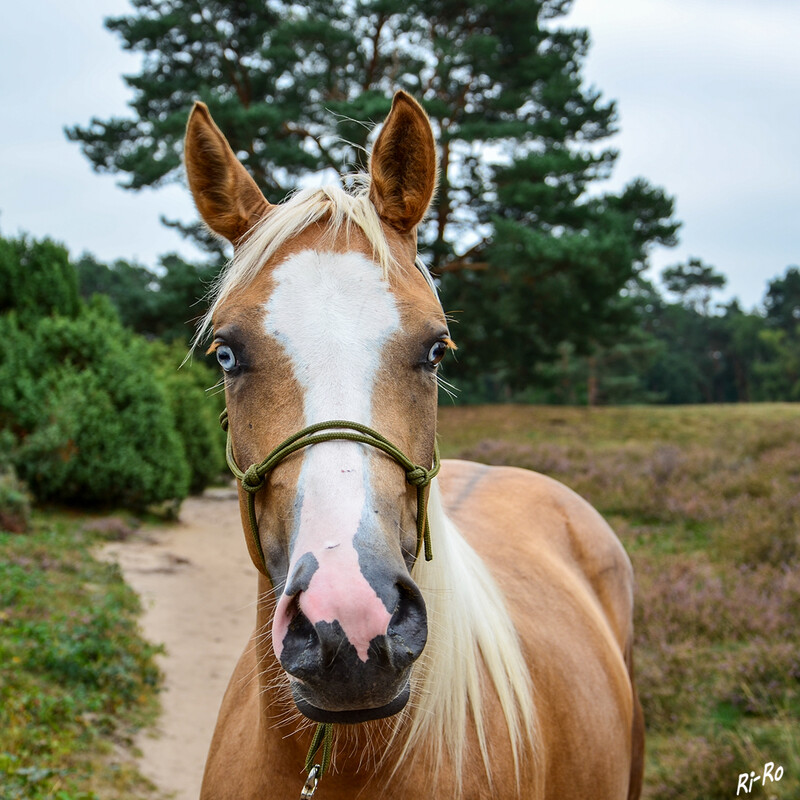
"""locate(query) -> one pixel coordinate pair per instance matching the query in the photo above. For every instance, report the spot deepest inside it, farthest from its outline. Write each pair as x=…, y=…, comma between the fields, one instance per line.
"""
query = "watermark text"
x=747, y=780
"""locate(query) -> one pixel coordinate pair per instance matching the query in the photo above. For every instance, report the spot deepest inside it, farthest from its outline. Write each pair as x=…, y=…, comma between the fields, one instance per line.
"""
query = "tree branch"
x=300, y=131
x=370, y=76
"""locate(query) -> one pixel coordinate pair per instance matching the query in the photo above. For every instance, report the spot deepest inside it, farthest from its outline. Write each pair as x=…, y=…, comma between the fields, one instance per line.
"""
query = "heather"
x=707, y=502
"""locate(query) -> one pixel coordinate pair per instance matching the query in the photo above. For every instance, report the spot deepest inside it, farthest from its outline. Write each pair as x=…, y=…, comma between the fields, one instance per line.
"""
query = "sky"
x=707, y=92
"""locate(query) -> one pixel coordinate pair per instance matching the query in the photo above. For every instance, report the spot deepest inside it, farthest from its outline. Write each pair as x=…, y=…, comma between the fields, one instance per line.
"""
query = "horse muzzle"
x=338, y=680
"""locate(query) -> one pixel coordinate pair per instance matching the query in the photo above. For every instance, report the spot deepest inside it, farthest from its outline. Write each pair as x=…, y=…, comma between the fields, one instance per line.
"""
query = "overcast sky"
x=708, y=95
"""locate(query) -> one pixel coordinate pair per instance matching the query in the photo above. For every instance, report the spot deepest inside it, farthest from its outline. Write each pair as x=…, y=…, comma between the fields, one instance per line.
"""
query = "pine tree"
x=528, y=256
x=782, y=301
x=694, y=283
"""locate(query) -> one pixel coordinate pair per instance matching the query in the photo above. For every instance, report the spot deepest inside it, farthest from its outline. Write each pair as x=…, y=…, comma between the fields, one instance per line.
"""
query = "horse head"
x=324, y=314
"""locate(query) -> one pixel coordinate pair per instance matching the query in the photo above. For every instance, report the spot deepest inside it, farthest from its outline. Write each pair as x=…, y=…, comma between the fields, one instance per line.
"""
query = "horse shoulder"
x=516, y=517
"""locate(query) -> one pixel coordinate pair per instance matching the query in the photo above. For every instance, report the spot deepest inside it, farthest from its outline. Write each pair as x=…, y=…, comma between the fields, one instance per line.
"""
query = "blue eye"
x=226, y=358
x=437, y=352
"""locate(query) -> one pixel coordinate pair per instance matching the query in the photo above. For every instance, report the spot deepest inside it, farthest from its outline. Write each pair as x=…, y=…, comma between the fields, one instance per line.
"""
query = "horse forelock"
x=343, y=211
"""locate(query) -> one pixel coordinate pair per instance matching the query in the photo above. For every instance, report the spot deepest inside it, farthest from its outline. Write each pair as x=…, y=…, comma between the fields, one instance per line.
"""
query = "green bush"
x=37, y=279
x=15, y=502
x=195, y=410
x=92, y=422
x=158, y=303
x=94, y=413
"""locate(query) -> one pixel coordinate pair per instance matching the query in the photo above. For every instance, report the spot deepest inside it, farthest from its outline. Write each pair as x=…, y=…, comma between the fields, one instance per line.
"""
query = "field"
x=705, y=499
x=707, y=502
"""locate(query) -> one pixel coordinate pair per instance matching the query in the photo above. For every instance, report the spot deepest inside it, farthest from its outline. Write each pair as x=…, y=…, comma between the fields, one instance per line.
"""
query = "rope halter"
x=254, y=478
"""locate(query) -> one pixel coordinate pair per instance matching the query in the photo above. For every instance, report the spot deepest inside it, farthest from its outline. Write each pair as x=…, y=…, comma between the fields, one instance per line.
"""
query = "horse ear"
x=403, y=165
x=225, y=195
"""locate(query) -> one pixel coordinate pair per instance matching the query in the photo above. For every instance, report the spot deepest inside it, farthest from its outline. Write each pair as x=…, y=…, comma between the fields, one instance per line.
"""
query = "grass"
x=76, y=678
x=706, y=500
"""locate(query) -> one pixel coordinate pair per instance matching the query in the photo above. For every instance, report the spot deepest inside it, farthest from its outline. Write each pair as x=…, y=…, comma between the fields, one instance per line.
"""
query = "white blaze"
x=333, y=313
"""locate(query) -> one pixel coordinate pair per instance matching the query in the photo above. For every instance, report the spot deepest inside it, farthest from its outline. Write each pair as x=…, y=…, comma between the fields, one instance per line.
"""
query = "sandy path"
x=198, y=589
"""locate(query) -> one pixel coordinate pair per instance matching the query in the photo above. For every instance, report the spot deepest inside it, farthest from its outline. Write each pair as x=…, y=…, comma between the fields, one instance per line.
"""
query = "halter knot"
x=419, y=476
x=252, y=480
x=223, y=420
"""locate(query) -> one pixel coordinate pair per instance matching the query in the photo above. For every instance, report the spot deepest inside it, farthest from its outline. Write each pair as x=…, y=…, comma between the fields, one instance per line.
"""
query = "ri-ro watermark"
x=747, y=780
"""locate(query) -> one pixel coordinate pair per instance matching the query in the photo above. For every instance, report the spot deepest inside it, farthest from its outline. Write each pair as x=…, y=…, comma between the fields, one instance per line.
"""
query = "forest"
x=679, y=347
x=546, y=277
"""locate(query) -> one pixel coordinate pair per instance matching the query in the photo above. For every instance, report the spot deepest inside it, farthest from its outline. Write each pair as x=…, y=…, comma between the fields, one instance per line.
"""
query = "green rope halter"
x=254, y=479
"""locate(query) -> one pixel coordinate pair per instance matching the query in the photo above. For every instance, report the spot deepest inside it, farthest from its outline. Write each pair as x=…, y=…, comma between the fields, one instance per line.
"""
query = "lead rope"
x=322, y=736
x=254, y=478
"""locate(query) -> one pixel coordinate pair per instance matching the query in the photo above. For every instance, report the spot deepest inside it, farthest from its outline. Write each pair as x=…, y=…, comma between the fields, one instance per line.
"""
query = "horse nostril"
x=292, y=607
x=301, y=645
x=408, y=628
x=313, y=644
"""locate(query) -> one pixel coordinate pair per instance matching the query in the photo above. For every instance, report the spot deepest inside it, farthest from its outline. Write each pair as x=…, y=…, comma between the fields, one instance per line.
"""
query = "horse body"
x=567, y=584
x=502, y=668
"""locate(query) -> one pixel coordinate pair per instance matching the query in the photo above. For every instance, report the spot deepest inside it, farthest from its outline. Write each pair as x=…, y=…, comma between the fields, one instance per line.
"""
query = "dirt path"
x=198, y=589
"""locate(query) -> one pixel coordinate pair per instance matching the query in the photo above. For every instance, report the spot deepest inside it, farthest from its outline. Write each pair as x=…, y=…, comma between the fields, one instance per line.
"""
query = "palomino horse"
x=501, y=667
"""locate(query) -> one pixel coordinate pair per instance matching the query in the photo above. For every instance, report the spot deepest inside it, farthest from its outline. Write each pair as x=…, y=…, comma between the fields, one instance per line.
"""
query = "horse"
x=433, y=628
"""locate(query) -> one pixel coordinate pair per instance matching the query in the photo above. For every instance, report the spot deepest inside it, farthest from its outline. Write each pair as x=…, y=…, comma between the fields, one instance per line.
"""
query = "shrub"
x=36, y=278
x=155, y=303
x=195, y=410
x=96, y=414
x=92, y=423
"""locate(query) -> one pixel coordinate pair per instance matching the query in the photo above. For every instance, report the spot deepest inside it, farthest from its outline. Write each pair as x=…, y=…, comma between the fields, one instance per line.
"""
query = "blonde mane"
x=470, y=628
x=471, y=633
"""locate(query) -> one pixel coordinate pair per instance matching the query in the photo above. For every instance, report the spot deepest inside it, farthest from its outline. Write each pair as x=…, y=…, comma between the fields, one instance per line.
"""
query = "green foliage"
x=157, y=304
x=549, y=290
x=778, y=374
x=15, y=501
x=614, y=375
x=196, y=414
x=688, y=364
x=725, y=356
x=36, y=278
x=530, y=258
x=693, y=282
x=76, y=678
x=782, y=302
x=92, y=422
x=90, y=412
x=711, y=523
x=690, y=351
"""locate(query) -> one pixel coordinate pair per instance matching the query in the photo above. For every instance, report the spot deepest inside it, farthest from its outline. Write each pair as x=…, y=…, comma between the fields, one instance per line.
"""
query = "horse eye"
x=436, y=353
x=226, y=358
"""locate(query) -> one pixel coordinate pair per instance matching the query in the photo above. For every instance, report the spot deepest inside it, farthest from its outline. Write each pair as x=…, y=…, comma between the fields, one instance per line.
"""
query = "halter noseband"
x=254, y=478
